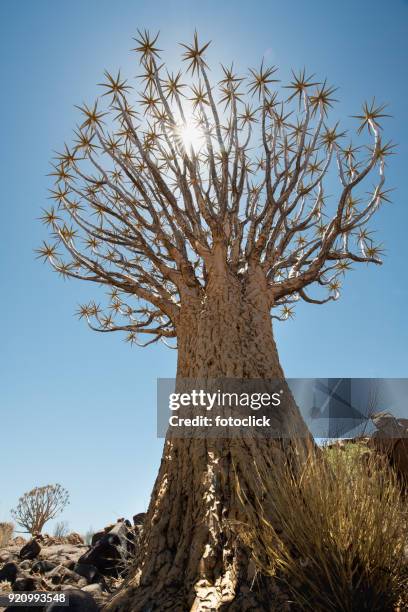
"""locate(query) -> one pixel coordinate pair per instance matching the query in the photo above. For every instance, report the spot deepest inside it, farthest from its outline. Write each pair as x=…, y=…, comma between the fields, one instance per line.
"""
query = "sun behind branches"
x=153, y=179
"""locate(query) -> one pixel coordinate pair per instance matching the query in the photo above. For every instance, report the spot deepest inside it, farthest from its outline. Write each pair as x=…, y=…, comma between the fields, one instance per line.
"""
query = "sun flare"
x=192, y=135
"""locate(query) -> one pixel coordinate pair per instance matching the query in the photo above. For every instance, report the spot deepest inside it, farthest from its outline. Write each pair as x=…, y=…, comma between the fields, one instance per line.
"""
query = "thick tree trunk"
x=190, y=557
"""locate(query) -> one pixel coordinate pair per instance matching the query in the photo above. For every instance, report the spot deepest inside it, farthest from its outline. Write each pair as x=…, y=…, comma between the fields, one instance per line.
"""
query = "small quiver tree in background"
x=38, y=506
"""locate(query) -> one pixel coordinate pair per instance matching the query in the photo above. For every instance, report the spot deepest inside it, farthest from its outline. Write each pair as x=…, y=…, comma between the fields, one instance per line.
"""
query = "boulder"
x=25, y=565
x=74, y=538
x=61, y=574
x=79, y=601
x=56, y=579
x=138, y=519
x=31, y=550
x=42, y=567
x=90, y=572
x=111, y=550
x=391, y=439
x=92, y=575
x=387, y=425
x=70, y=564
x=93, y=589
x=27, y=583
x=105, y=555
x=69, y=576
x=9, y=572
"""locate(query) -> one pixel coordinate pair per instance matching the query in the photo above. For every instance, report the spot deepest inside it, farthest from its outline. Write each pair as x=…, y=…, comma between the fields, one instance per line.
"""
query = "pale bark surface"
x=191, y=557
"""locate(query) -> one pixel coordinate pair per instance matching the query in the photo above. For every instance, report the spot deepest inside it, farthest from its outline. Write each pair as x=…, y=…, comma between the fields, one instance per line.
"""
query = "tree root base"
x=153, y=599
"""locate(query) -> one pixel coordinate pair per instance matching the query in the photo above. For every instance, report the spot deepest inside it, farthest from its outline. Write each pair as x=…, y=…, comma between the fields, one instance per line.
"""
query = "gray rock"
x=107, y=555
x=25, y=565
x=70, y=564
x=41, y=567
x=9, y=572
x=94, y=589
x=79, y=601
x=26, y=583
x=31, y=550
x=90, y=572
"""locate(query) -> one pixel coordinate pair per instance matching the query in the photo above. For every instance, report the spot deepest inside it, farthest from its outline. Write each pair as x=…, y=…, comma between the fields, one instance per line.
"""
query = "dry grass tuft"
x=336, y=535
x=5, y=586
x=6, y=533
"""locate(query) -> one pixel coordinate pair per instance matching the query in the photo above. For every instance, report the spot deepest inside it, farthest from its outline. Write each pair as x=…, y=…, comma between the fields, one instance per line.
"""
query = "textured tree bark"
x=190, y=556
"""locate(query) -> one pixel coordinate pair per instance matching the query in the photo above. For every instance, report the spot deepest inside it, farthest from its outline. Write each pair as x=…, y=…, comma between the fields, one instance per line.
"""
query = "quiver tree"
x=202, y=208
x=38, y=506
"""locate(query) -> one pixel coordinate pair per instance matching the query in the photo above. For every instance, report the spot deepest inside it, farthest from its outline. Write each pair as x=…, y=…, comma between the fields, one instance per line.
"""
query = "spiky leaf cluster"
x=139, y=209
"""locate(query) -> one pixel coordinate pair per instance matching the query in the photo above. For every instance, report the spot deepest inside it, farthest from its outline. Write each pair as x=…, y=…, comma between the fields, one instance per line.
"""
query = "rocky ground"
x=92, y=573
x=89, y=574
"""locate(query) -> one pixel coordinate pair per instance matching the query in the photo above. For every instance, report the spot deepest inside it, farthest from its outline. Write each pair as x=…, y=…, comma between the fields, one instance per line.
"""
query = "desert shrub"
x=5, y=586
x=38, y=506
x=335, y=534
x=61, y=529
x=352, y=451
x=6, y=533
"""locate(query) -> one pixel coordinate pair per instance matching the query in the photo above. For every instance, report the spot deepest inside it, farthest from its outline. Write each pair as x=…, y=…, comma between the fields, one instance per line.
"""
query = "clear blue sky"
x=77, y=407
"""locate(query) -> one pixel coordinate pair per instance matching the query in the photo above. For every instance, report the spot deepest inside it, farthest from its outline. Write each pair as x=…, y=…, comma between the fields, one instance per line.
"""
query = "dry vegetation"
x=6, y=533
x=36, y=507
x=340, y=545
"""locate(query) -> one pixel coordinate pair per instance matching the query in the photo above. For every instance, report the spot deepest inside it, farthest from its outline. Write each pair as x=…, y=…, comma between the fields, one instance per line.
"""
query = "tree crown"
x=40, y=505
x=157, y=182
